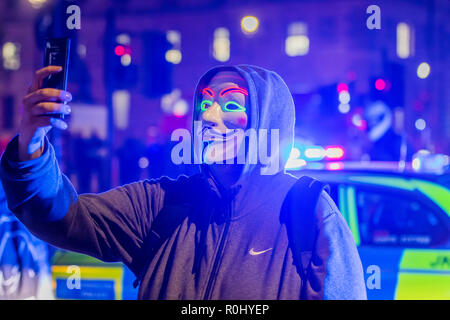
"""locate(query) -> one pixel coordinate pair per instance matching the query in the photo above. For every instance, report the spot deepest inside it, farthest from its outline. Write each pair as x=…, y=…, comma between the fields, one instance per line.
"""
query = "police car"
x=400, y=221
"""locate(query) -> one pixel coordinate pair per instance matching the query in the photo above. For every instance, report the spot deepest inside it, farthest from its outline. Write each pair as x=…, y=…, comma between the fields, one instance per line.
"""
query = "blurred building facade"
x=330, y=44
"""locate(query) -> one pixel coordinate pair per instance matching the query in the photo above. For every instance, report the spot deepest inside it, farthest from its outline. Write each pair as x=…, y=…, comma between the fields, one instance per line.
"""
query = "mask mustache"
x=209, y=133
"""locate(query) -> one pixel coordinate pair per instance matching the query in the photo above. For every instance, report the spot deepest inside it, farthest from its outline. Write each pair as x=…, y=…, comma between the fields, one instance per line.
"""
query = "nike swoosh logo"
x=255, y=253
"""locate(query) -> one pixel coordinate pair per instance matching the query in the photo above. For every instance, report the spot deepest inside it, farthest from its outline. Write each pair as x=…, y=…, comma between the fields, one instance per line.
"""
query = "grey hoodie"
x=192, y=238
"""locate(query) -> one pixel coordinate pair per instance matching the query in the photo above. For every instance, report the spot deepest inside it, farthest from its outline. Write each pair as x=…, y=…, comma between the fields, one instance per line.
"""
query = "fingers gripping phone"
x=57, y=52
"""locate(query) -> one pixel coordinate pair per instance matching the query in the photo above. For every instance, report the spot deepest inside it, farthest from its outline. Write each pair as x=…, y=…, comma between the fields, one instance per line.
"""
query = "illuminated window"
x=123, y=38
x=11, y=56
x=221, y=46
x=174, y=55
x=404, y=40
x=121, y=107
x=125, y=60
x=297, y=41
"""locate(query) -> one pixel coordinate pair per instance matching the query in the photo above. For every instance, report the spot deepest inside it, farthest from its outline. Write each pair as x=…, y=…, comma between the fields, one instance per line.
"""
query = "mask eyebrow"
x=208, y=91
x=233, y=89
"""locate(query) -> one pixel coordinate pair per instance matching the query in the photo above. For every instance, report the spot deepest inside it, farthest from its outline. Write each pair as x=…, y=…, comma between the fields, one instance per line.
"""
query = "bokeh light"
x=380, y=84
x=423, y=70
x=342, y=87
x=344, y=107
x=344, y=97
x=420, y=124
x=249, y=24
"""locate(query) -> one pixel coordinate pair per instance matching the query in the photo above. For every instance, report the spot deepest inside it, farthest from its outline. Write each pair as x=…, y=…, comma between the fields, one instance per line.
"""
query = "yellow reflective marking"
x=422, y=286
x=434, y=280
x=425, y=259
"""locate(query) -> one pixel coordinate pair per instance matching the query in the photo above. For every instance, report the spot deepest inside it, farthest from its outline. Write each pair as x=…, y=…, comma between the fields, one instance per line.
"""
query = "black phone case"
x=57, y=52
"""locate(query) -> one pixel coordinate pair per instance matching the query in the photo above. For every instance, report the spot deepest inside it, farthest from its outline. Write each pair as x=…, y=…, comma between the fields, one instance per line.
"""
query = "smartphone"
x=57, y=53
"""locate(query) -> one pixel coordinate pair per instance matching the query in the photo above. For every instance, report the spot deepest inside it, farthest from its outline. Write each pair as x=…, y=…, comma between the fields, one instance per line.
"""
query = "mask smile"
x=210, y=134
x=217, y=146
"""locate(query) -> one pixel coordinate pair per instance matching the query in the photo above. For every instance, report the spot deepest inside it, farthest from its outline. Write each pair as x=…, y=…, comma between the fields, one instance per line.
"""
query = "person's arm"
x=111, y=226
x=336, y=271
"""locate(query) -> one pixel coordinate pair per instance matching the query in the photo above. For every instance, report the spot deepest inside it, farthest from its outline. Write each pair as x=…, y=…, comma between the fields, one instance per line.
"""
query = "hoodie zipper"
x=219, y=253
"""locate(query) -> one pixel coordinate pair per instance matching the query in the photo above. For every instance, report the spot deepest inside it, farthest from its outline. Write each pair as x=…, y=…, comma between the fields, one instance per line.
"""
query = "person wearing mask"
x=218, y=234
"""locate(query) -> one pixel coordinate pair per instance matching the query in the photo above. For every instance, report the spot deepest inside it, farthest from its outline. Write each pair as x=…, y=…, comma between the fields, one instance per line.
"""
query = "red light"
x=119, y=50
x=334, y=152
x=342, y=87
x=363, y=125
x=380, y=84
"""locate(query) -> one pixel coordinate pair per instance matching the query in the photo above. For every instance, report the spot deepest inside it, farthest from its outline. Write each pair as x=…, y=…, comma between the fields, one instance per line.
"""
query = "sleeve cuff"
x=12, y=168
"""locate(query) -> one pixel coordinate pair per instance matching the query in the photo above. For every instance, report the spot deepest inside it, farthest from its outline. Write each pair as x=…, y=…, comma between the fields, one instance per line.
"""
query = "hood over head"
x=270, y=108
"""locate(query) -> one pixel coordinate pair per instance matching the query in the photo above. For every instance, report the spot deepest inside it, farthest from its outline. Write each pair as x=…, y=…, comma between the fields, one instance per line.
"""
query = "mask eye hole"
x=205, y=104
x=232, y=106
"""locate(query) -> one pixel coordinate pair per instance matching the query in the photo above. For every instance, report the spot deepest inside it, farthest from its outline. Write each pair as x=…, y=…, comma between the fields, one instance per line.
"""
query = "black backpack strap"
x=299, y=216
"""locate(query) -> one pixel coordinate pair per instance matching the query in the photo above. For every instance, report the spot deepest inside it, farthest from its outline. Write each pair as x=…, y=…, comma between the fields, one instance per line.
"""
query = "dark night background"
x=335, y=48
